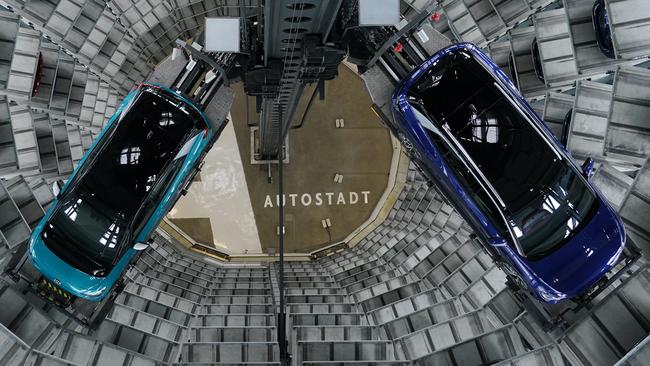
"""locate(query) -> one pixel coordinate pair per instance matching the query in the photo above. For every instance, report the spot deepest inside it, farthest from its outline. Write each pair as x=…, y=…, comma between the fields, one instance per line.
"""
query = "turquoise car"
x=137, y=168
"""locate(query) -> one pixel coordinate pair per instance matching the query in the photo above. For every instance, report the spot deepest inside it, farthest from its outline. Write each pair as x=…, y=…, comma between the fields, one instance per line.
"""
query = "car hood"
x=584, y=259
x=65, y=276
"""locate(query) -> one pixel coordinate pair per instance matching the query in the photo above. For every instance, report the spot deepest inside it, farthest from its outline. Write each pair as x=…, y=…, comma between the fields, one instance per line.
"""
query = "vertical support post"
x=321, y=89
x=282, y=322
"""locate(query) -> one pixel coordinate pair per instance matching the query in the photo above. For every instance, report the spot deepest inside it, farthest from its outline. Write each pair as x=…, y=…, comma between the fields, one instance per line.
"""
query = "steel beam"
x=285, y=24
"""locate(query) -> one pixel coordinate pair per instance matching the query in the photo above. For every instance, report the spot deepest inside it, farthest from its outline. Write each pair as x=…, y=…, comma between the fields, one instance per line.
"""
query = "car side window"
x=162, y=185
x=87, y=165
x=473, y=187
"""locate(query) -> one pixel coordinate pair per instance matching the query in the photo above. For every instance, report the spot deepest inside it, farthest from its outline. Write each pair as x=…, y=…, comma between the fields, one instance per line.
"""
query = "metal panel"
x=89, y=100
x=630, y=27
x=13, y=227
x=488, y=20
x=590, y=61
x=46, y=146
x=42, y=192
x=521, y=40
x=24, y=198
x=610, y=122
x=635, y=210
x=9, y=25
x=484, y=21
x=638, y=356
x=63, y=147
x=628, y=136
x=613, y=327
x=461, y=22
x=62, y=84
x=23, y=64
x=555, y=47
x=25, y=139
x=74, y=140
x=589, y=122
x=612, y=183
x=589, y=58
x=556, y=107
x=8, y=157
x=77, y=92
x=567, y=46
x=433, y=35
x=86, y=30
x=50, y=55
x=501, y=54
x=63, y=17
x=498, y=345
x=549, y=355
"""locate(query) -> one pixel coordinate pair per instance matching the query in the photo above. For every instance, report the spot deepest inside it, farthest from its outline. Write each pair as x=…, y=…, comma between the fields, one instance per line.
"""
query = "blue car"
x=600, y=20
x=472, y=133
x=537, y=60
x=137, y=168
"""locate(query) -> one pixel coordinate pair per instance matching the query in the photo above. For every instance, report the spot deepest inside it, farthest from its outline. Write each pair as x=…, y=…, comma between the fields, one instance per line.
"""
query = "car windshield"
x=85, y=232
x=90, y=227
x=545, y=200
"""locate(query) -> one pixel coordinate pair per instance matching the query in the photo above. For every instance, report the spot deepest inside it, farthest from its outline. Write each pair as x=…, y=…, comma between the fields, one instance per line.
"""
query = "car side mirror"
x=56, y=189
x=497, y=242
x=588, y=168
x=140, y=246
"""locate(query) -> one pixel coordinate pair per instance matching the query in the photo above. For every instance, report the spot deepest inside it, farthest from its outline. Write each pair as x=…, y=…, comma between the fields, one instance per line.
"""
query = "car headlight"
x=612, y=261
x=100, y=272
x=547, y=295
x=95, y=293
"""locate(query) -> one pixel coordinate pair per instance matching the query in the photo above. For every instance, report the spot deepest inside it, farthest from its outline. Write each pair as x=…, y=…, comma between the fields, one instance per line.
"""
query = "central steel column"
x=282, y=334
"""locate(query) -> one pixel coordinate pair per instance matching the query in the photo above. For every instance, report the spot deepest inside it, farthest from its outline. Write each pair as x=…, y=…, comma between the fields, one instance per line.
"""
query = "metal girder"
x=203, y=57
x=286, y=22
